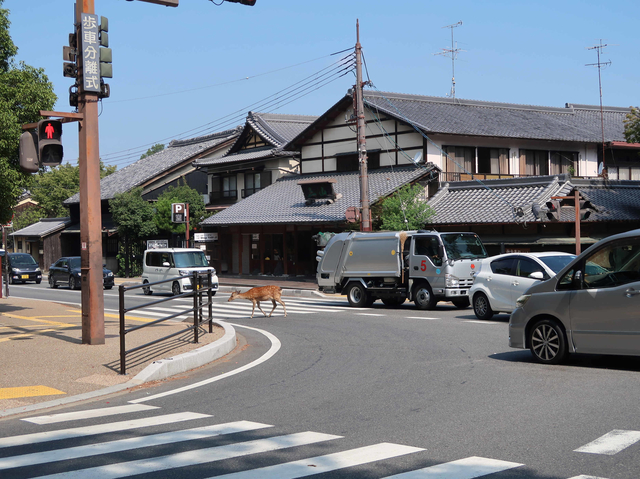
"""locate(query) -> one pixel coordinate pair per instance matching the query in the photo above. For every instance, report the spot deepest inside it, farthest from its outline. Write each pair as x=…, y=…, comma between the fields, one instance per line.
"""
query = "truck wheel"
x=357, y=296
x=423, y=297
x=461, y=303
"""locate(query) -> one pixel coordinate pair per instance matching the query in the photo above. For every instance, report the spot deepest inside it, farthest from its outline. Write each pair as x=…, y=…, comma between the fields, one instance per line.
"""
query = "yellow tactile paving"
x=28, y=391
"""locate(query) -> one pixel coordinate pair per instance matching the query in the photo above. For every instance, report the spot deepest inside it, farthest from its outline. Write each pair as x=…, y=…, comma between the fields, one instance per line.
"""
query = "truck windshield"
x=190, y=259
x=463, y=246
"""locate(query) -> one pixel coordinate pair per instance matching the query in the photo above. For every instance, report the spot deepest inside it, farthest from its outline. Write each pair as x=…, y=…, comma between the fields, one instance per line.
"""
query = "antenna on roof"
x=598, y=48
x=453, y=53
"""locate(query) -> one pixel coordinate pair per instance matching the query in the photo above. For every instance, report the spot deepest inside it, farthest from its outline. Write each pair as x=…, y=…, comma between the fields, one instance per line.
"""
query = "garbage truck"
x=422, y=266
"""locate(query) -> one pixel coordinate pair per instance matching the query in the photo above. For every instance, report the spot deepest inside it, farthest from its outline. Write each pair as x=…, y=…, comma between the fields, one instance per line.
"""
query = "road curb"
x=161, y=369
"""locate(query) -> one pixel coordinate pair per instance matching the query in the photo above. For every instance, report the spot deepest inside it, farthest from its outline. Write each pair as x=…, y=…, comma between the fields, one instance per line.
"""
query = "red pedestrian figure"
x=49, y=131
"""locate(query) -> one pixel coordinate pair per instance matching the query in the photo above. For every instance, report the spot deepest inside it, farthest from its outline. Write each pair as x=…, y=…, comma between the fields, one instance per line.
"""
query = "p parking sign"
x=178, y=213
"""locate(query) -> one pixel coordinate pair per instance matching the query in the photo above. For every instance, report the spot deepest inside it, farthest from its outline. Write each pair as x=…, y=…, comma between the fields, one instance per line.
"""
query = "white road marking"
x=90, y=413
x=467, y=468
x=326, y=463
x=198, y=456
x=98, y=429
x=370, y=314
x=611, y=443
x=275, y=347
x=129, y=444
x=476, y=321
x=420, y=317
x=582, y=476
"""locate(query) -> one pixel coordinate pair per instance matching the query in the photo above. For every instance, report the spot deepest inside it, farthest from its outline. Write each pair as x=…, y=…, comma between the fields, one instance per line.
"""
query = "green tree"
x=153, y=150
x=180, y=194
x=24, y=91
x=51, y=188
x=632, y=126
x=133, y=217
x=406, y=209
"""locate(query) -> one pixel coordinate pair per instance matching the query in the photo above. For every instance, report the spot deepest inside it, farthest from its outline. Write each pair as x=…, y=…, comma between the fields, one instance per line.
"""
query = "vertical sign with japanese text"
x=90, y=52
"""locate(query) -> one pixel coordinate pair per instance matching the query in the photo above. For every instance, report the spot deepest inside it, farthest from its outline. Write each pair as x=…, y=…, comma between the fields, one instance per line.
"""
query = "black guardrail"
x=199, y=289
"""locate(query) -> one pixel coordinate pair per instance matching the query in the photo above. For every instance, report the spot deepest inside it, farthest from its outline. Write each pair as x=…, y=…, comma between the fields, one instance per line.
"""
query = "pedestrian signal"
x=50, y=150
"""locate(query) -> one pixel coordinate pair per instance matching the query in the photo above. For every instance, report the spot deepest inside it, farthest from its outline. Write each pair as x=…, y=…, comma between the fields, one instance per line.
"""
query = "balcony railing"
x=249, y=191
x=223, y=195
x=456, y=176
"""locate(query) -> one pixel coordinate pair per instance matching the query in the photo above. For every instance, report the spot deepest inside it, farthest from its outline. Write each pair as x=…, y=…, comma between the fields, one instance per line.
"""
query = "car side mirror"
x=165, y=264
x=577, y=279
x=539, y=275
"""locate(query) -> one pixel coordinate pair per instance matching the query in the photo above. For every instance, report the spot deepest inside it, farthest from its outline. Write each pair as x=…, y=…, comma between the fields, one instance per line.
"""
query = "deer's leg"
x=254, y=308
x=274, y=307
x=261, y=308
x=282, y=303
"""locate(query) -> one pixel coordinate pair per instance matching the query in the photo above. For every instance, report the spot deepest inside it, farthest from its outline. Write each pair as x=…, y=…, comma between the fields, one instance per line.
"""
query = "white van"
x=164, y=263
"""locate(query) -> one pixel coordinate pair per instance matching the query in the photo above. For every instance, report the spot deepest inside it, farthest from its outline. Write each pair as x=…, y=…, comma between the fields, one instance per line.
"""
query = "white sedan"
x=504, y=278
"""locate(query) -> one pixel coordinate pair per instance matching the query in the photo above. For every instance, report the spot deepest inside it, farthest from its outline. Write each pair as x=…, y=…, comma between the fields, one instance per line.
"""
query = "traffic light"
x=49, y=142
x=585, y=209
x=29, y=152
x=69, y=55
x=553, y=210
x=106, y=58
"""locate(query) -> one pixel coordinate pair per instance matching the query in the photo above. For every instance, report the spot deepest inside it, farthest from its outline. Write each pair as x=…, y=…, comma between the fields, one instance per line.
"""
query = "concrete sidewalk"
x=45, y=364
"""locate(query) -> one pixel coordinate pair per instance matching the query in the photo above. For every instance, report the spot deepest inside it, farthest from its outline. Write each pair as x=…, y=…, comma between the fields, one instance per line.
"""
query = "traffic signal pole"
x=90, y=211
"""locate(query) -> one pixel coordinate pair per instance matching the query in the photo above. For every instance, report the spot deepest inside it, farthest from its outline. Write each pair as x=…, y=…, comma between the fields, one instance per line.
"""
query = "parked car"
x=67, y=271
x=165, y=263
x=504, y=278
x=590, y=306
x=22, y=268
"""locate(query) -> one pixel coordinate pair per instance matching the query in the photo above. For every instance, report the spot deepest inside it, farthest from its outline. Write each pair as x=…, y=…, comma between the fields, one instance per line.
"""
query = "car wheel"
x=147, y=290
x=38, y=281
x=108, y=287
x=423, y=297
x=393, y=302
x=72, y=283
x=175, y=288
x=547, y=342
x=52, y=282
x=461, y=303
x=481, y=306
x=358, y=296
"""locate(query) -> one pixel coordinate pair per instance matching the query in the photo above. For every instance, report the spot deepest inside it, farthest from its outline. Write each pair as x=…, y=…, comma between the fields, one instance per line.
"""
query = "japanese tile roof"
x=275, y=129
x=44, y=227
x=145, y=169
x=498, y=201
x=283, y=201
x=440, y=115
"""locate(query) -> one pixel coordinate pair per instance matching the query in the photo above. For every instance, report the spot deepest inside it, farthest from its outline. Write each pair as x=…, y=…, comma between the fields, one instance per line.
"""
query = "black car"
x=22, y=268
x=67, y=271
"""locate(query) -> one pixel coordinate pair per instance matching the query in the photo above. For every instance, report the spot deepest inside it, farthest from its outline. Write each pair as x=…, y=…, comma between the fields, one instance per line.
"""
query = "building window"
x=563, y=162
x=350, y=162
x=534, y=162
x=466, y=160
x=229, y=188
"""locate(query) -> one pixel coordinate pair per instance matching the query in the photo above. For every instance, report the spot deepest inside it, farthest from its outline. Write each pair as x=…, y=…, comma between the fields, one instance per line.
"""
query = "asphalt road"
x=438, y=381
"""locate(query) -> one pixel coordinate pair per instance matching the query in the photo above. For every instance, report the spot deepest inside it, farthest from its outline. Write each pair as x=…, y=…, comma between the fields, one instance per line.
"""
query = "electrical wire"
x=273, y=102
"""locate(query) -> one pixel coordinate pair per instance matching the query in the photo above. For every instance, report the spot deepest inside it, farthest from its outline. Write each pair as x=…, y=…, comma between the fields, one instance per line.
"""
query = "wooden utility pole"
x=365, y=224
x=90, y=211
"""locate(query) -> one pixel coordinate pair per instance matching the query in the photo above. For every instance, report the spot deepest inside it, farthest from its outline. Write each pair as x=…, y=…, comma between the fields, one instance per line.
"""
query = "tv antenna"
x=453, y=54
x=599, y=48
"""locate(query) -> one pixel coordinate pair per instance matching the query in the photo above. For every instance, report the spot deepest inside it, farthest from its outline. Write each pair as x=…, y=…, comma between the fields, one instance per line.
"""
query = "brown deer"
x=263, y=293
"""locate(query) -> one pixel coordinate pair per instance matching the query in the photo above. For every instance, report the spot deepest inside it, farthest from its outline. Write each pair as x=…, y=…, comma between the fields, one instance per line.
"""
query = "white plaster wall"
x=312, y=166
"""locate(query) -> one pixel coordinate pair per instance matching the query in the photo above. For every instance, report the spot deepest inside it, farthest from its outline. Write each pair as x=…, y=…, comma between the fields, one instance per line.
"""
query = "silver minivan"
x=591, y=306
x=165, y=263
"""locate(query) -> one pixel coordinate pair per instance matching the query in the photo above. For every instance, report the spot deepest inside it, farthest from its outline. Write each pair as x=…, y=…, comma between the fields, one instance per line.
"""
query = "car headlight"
x=522, y=300
x=38, y=270
x=109, y=274
x=451, y=281
x=184, y=272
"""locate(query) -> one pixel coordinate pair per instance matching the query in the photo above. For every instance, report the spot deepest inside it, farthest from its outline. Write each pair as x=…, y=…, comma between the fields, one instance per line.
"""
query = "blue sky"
x=198, y=68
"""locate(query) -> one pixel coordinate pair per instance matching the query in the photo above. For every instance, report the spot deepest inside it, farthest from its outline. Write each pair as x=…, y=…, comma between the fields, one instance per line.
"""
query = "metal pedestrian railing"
x=199, y=289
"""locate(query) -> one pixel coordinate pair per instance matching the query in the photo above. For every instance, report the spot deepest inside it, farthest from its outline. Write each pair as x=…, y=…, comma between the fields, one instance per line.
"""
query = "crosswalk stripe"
x=326, y=463
x=611, y=443
x=90, y=413
x=129, y=444
x=98, y=429
x=467, y=468
x=199, y=456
